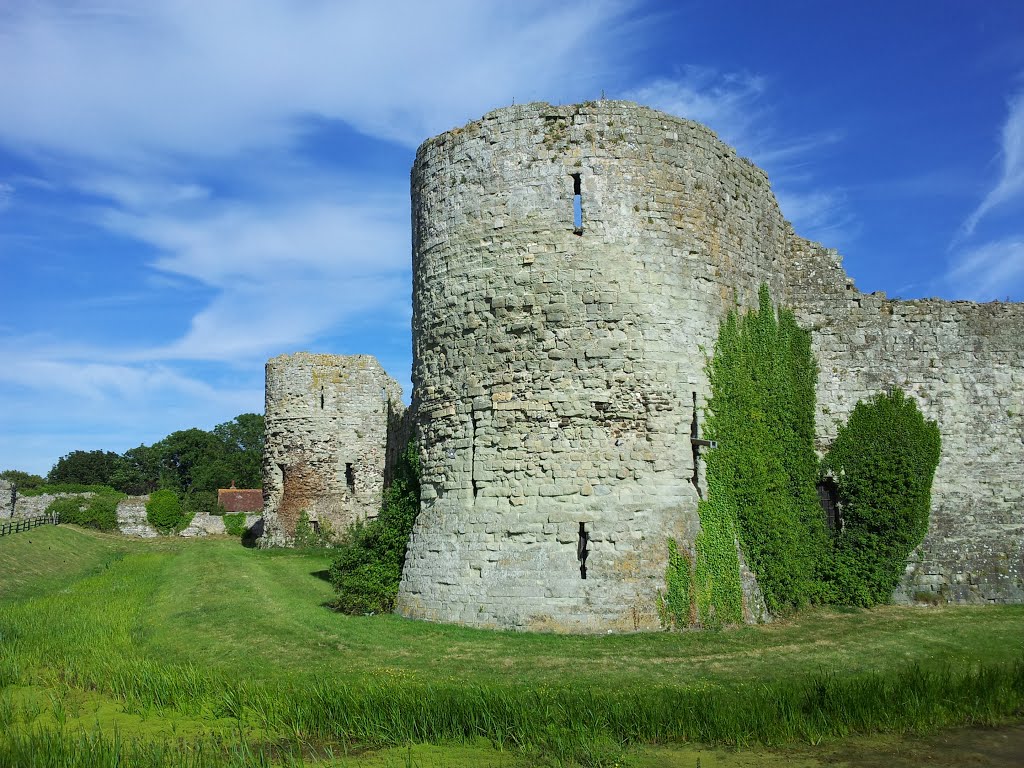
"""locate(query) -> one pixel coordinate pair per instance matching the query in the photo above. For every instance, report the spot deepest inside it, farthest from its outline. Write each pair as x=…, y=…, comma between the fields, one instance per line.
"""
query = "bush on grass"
x=884, y=460
x=98, y=511
x=234, y=523
x=369, y=564
x=164, y=512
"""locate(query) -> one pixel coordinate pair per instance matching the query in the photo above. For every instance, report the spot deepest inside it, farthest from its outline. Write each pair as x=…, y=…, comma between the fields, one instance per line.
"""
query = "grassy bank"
x=208, y=643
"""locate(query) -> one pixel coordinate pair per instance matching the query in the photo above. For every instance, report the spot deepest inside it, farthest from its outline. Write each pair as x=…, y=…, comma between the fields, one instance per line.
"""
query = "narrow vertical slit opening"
x=472, y=454
x=582, y=550
x=321, y=398
x=350, y=477
x=694, y=430
x=577, y=205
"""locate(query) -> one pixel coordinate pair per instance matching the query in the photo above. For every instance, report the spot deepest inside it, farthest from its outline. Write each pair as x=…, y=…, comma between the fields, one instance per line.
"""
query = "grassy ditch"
x=207, y=651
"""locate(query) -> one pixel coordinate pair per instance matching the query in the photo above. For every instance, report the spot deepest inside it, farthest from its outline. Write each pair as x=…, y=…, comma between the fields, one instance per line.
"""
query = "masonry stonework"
x=7, y=497
x=559, y=364
x=327, y=420
x=559, y=368
x=964, y=365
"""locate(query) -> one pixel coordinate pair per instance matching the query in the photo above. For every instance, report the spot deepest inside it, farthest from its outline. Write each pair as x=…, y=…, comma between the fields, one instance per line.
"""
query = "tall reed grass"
x=94, y=635
x=568, y=722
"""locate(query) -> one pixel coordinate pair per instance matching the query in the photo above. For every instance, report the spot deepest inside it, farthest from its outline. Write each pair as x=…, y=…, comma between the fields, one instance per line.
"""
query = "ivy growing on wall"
x=762, y=477
x=883, y=459
x=674, y=604
x=717, y=590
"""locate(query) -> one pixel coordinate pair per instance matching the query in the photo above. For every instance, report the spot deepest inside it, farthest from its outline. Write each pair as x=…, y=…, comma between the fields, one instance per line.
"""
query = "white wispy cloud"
x=736, y=105
x=6, y=195
x=283, y=273
x=819, y=214
x=1011, y=179
x=989, y=272
x=99, y=382
x=728, y=103
x=141, y=193
x=120, y=81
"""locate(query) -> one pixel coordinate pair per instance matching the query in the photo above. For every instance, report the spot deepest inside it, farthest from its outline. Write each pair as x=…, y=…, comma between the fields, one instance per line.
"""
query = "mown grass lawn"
x=206, y=639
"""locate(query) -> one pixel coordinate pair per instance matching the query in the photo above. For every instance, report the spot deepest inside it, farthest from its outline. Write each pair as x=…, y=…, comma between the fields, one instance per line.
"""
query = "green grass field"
x=222, y=655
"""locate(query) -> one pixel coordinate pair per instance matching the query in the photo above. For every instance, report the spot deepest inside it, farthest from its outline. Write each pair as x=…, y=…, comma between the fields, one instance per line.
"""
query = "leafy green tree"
x=138, y=471
x=884, y=461
x=243, y=441
x=84, y=468
x=193, y=460
x=22, y=481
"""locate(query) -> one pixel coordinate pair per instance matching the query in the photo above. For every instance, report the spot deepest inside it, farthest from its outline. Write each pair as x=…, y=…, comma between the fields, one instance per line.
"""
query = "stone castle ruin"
x=571, y=267
x=328, y=420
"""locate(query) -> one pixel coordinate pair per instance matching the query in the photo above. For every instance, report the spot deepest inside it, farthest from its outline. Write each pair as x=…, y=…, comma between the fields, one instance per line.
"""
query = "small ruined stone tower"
x=327, y=426
x=571, y=266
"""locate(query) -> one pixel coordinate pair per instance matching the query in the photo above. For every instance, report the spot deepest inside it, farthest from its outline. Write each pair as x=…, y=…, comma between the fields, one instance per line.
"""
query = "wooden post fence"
x=16, y=526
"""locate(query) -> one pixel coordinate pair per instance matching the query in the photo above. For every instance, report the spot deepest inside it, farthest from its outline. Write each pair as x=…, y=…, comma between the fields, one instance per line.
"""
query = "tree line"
x=193, y=463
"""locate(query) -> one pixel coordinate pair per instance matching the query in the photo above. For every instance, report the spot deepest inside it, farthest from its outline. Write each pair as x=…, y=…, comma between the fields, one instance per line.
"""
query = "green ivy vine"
x=762, y=478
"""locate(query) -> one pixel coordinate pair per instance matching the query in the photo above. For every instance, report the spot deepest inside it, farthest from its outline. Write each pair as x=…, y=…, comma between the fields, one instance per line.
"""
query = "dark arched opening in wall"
x=828, y=497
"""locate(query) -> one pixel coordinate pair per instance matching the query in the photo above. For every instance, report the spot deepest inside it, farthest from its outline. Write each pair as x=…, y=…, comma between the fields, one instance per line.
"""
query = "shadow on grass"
x=249, y=538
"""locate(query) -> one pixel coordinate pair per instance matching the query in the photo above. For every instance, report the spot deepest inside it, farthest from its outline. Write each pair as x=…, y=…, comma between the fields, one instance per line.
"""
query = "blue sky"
x=189, y=187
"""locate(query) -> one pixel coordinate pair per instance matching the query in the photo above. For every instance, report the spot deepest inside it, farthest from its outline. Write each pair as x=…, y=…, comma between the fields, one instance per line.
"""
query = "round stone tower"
x=327, y=426
x=571, y=266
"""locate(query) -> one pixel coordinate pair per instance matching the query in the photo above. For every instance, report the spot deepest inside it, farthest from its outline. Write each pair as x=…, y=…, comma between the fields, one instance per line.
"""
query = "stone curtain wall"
x=557, y=364
x=964, y=364
x=131, y=518
x=327, y=420
x=32, y=506
x=6, y=500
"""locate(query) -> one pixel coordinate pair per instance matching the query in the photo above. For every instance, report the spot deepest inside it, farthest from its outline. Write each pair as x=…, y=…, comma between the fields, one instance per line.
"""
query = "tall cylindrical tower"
x=570, y=269
x=327, y=419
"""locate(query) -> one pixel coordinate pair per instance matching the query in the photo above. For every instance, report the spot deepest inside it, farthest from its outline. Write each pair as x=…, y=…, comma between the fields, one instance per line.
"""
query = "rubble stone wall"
x=6, y=500
x=32, y=506
x=326, y=443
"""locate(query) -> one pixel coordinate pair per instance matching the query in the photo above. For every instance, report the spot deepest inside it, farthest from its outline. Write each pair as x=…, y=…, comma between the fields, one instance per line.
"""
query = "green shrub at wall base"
x=164, y=512
x=883, y=459
x=308, y=537
x=98, y=511
x=370, y=559
x=234, y=523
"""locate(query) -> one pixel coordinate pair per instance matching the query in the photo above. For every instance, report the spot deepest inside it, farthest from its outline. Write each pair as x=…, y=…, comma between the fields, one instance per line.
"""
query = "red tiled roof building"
x=240, y=499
